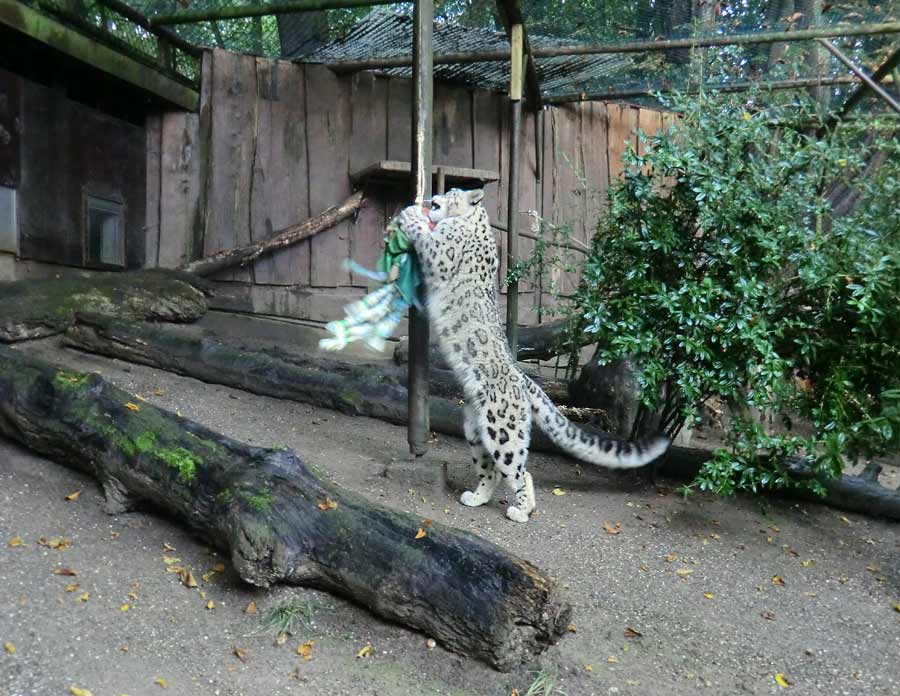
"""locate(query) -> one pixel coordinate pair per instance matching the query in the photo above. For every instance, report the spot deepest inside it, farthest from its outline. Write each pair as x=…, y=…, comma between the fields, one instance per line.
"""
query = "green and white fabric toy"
x=374, y=318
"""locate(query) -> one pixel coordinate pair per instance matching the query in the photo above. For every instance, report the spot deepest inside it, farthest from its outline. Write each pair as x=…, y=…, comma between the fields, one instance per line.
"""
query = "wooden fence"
x=275, y=142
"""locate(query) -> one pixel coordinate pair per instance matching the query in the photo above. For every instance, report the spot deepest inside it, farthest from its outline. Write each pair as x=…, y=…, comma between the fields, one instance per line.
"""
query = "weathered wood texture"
x=36, y=308
x=268, y=510
x=56, y=151
x=275, y=143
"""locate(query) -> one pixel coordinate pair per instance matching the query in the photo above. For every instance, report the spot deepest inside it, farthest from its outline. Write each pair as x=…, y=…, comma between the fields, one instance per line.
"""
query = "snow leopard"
x=457, y=253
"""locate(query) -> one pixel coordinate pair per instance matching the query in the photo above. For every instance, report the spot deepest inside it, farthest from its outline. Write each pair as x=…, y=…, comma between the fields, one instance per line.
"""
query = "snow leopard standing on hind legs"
x=459, y=263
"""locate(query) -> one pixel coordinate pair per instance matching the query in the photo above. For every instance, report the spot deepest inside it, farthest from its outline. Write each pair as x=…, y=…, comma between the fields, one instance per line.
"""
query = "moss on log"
x=37, y=308
x=280, y=520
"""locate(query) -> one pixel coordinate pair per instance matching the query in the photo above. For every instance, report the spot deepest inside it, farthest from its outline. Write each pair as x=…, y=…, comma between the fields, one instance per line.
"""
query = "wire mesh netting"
x=365, y=33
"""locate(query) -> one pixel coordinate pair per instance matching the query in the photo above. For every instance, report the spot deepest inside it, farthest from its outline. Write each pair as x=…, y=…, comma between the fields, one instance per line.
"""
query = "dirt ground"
x=725, y=593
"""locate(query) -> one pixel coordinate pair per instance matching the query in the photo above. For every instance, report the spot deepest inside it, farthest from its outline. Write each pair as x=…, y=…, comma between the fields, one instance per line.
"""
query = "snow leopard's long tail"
x=603, y=450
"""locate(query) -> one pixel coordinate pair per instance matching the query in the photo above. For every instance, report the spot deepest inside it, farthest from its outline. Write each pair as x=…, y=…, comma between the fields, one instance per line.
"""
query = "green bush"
x=724, y=268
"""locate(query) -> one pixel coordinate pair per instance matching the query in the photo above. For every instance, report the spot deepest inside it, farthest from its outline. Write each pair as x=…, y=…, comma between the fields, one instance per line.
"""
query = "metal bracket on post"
x=516, y=75
x=423, y=102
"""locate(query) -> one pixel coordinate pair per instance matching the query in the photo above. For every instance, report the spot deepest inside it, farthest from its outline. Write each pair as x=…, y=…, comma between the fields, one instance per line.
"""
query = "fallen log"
x=279, y=519
x=378, y=391
x=36, y=308
x=241, y=256
x=541, y=342
x=375, y=392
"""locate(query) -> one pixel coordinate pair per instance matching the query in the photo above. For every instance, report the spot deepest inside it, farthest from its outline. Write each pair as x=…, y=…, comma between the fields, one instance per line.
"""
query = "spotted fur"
x=459, y=263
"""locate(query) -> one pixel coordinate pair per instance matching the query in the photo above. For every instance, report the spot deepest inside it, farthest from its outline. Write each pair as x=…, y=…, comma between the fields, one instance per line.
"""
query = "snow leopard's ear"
x=475, y=196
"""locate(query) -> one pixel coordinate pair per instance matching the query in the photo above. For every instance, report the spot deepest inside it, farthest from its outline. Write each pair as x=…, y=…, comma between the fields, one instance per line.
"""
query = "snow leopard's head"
x=454, y=203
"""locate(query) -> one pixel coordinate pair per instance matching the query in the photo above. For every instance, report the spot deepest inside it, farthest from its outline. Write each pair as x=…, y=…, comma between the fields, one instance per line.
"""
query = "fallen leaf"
x=219, y=567
x=159, y=392
x=844, y=520
x=57, y=543
x=75, y=691
x=16, y=542
x=240, y=654
x=632, y=633
x=132, y=595
x=515, y=692
x=140, y=398
x=365, y=651
x=84, y=597
x=73, y=496
x=632, y=682
x=421, y=533
x=10, y=648
x=210, y=604
x=612, y=659
x=781, y=680
x=188, y=579
x=873, y=568
x=671, y=558
x=774, y=528
x=132, y=406
x=161, y=681
x=684, y=572
x=125, y=607
x=208, y=576
x=251, y=608
x=843, y=580
x=808, y=563
x=589, y=668
x=709, y=595
x=778, y=580
x=558, y=491
x=169, y=560
x=427, y=523
x=124, y=648
x=792, y=552
x=572, y=628
x=768, y=615
x=791, y=19
x=71, y=587
x=612, y=529
x=114, y=535
x=329, y=504
x=810, y=594
x=897, y=607
x=304, y=650
x=168, y=548
x=174, y=569
x=281, y=638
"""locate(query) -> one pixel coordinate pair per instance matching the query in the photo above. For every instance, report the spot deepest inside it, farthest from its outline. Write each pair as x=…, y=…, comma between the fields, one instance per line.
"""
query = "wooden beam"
x=861, y=74
x=628, y=47
x=511, y=15
x=421, y=158
x=275, y=8
x=613, y=95
x=129, y=13
x=883, y=70
x=54, y=34
x=516, y=41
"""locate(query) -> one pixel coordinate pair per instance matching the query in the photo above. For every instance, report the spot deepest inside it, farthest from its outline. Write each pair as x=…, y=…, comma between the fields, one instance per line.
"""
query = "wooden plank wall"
x=274, y=143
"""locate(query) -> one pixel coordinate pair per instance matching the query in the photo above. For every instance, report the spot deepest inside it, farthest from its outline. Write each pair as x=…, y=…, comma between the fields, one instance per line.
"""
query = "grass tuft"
x=289, y=616
x=544, y=684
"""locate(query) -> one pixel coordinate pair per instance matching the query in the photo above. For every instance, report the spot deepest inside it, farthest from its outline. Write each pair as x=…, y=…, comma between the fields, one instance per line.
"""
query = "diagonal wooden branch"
x=241, y=256
x=281, y=520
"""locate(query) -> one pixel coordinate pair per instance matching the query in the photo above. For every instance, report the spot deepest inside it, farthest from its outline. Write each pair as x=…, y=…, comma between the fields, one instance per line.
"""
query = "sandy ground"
x=721, y=626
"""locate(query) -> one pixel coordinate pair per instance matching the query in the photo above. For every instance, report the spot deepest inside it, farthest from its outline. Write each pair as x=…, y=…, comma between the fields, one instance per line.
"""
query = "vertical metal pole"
x=512, y=223
x=423, y=66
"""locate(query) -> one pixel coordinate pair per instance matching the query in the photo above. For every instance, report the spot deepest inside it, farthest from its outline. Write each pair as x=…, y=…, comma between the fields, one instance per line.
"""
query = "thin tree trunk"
x=241, y=256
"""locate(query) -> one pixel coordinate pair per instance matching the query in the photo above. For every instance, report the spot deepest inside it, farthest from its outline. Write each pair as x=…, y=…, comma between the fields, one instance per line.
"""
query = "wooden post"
x=512, y=227
x=423, y=103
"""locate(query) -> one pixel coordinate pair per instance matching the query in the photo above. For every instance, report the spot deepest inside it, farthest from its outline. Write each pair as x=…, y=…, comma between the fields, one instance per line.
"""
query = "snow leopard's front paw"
x=516, y=514
x=472, y=499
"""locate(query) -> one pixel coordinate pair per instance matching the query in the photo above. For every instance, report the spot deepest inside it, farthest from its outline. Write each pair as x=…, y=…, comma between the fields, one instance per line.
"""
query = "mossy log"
x=43, y=307
x=379, y=392
x=280, y=520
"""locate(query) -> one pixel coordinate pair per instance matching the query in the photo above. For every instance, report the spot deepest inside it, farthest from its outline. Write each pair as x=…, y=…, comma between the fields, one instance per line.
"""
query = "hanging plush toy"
x=374, y=318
